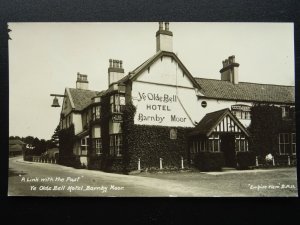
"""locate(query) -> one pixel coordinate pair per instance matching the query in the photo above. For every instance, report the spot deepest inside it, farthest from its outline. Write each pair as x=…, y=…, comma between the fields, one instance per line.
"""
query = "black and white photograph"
x=152, y=109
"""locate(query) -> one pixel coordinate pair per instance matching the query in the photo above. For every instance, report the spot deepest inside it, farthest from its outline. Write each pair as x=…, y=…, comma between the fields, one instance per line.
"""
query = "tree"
x=55, y=137
x=28, y=140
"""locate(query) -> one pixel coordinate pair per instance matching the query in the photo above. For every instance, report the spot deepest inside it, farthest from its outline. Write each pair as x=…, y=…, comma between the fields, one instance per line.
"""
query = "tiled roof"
x=210, y=120
x=247, y=91
x=82, y=98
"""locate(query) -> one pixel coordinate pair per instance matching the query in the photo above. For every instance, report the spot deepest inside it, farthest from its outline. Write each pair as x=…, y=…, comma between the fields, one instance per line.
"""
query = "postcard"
x=152, y=109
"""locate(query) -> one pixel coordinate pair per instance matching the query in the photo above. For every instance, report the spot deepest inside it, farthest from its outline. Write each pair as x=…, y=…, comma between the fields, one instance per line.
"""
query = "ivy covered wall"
x=266, y=122
x=66, y=143
x=150, y=143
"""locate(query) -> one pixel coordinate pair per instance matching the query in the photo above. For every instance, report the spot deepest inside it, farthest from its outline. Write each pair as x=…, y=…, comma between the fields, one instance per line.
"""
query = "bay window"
x=116, y=144
x=117, y=103
x=96, y=113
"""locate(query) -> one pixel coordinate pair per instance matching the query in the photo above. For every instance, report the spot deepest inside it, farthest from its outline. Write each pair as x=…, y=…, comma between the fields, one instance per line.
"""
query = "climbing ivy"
x=266, y=121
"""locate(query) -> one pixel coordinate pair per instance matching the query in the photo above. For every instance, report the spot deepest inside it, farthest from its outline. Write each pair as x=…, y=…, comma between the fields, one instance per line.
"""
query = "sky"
x=44, y=58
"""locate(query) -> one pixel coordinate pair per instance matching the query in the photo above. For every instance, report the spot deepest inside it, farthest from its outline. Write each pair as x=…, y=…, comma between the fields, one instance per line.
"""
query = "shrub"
x=209, y=161
x=245, y=160
x=28, y=158
x=282, y=160
x=72, y=161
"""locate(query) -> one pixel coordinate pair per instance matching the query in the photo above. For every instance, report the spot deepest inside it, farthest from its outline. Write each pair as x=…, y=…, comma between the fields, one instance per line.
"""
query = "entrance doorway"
x=228, y=149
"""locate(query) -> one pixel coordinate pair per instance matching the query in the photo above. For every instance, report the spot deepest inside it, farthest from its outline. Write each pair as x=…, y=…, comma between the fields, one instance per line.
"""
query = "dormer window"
x=117, y=103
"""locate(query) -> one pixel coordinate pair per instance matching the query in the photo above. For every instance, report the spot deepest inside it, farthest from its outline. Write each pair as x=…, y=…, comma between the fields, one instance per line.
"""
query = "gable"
x=66, y=104
x=166, y=70
x=228, y=125
x=222, y=121
x=170, y=71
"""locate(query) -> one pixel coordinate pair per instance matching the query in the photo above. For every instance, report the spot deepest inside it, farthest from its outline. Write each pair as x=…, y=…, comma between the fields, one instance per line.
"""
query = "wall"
x=150, y=143
x=96, y=131
x=166, y=78
x=159, y=104
x=77, y=121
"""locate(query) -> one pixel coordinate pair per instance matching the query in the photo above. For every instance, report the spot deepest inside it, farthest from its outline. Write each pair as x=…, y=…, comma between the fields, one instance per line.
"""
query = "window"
x=214, y=143
x=116, y=144
x=283, y=143
x=117, y=103
x=96, y=113
x=98, y=146
x=241, y=111
x=84, y=146
x=293, y=141
x=241, y=143
x=288, y=112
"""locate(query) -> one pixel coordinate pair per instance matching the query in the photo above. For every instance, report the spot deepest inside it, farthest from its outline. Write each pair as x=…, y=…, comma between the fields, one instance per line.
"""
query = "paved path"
x=42, y=179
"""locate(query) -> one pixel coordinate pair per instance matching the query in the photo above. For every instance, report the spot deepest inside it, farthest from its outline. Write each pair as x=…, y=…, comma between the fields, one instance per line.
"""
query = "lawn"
x=264, y=182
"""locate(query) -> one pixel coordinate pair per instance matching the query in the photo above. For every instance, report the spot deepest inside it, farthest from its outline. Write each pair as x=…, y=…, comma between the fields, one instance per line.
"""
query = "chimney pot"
x=166, y=26
x=121, y=62
x=110, y=62
x=161, y=24
x=229, y=72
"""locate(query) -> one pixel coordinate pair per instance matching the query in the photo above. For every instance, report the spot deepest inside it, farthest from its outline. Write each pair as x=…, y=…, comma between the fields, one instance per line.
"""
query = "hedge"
x=245, y=160
x=209, y=161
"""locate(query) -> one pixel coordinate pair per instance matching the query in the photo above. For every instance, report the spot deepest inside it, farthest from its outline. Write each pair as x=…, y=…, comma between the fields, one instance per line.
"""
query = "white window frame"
x=84, y=145
x=212, y=139
x=240, y=138
x=283, y=143
x=116, y=144
x=98, y=146
x=293, y=143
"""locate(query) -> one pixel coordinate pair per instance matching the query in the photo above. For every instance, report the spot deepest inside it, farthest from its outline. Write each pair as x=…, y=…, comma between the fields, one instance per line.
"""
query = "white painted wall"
x=76, y=148
x=169, y=73
x=215, y=105
x=164, y=43
x=114, y=128
x=96, y=131
x=77, y=122
x=164, y=72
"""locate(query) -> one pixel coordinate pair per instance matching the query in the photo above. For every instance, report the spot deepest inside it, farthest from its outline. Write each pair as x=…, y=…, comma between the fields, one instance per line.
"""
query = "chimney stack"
x=115, y=71
x=164, y=38
x=82, y=82
x=229, y=72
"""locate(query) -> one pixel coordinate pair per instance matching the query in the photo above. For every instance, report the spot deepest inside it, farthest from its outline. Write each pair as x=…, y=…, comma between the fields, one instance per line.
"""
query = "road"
x=57, y=180
x=43, y=179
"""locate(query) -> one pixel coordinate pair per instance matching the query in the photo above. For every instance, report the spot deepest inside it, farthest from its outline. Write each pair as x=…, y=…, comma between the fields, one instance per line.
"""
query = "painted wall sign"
x=241, y=107
x=117, y=118
x=158, y=105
